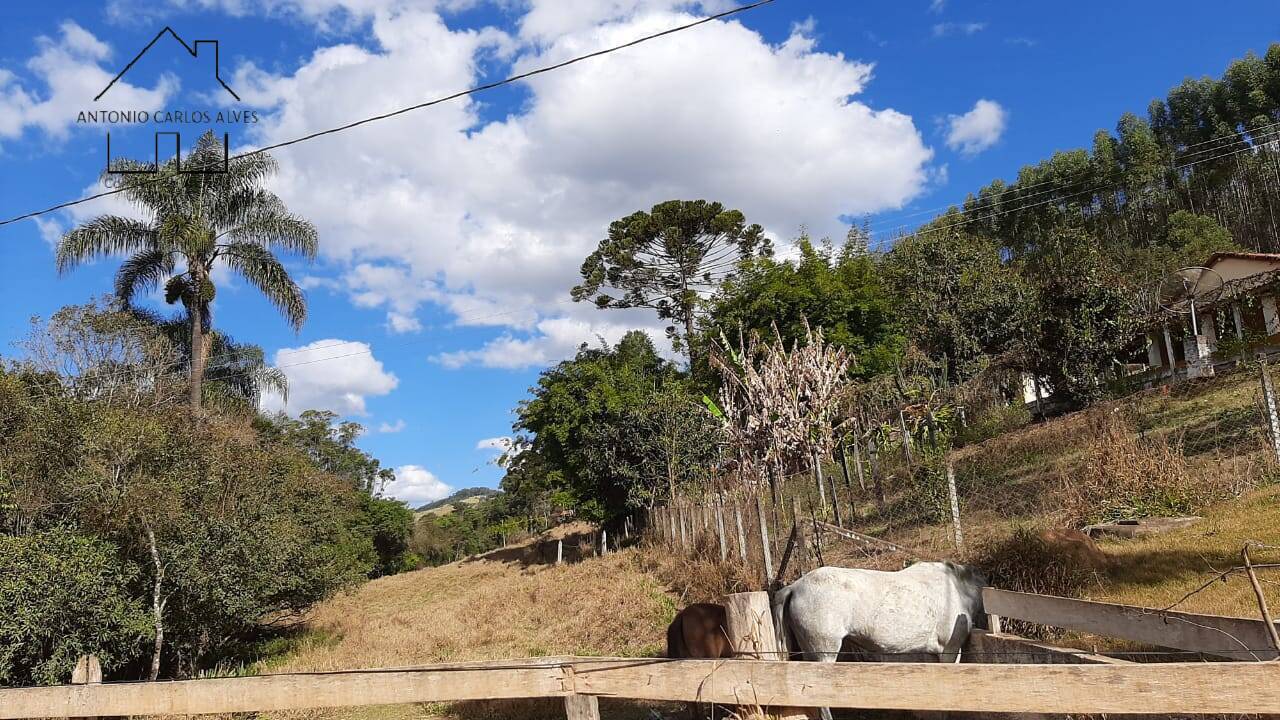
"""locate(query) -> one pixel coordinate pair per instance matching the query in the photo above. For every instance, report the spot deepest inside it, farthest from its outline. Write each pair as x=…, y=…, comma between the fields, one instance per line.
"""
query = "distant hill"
x=469, y=495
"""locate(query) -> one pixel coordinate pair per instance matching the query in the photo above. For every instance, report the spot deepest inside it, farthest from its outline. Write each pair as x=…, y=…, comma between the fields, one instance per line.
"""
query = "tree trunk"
x=197, y=354
x=157, y=604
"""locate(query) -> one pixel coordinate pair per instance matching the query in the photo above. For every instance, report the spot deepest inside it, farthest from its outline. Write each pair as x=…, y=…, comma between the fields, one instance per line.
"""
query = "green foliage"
x=956, y=297
x=233, y=530
x=664, y=258
x=839, y=291
x=607, y=429
x=64, y=595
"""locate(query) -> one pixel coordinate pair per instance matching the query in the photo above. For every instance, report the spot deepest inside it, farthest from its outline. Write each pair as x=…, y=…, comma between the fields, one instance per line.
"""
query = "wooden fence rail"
x=1134, y=688
x=1228, y=637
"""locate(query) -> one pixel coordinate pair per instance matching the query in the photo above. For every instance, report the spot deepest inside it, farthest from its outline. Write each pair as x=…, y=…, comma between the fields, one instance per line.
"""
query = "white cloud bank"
x=978, y=129
x=332, y=375
x=69, y=69
x=417, y=486
x=491, y=220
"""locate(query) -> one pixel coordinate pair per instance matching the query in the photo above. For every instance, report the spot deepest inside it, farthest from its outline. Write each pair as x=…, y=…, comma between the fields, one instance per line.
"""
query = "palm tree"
x=196, y=218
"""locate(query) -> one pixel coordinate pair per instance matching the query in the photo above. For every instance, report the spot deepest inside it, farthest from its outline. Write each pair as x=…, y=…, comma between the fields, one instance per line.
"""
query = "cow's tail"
x=675, y=639
x=781, y=627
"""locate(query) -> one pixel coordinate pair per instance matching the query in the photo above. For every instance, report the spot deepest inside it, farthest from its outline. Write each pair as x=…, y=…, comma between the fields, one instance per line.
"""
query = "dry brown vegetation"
x=504, y=604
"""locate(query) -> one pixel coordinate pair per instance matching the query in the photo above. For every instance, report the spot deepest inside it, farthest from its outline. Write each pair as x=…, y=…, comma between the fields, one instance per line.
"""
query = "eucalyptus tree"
x=668, y=259
x=195, y=218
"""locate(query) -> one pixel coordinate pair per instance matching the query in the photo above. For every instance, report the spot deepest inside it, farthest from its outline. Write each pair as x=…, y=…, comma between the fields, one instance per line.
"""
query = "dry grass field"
x=504, y=604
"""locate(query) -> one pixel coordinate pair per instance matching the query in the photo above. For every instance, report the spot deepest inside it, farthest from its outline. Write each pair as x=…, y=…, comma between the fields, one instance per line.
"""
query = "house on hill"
x=1241, y=320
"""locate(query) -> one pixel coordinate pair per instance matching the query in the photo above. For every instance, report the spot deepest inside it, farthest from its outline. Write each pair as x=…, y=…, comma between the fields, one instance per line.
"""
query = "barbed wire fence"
x=939, y=475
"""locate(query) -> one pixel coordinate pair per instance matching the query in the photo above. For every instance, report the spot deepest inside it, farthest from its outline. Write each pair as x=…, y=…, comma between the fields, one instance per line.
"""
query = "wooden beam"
x=1133, y=688
x=439, y=683
x=1229, y=637
x=582, y=707
x=994, y=647
x=1137, y=688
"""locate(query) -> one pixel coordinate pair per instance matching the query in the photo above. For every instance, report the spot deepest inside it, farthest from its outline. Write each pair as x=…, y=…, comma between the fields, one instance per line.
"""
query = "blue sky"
x=450, y=236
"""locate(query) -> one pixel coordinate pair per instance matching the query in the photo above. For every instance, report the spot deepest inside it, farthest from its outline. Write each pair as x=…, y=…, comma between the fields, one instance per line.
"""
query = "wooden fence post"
x=835, y=501
x=87, y=671
x=724, y=549
x=1269, y=406
x=906, y=438
x=749, y=625
x=742, y=536
x=604, y=542
x=671, y=520
x=560, y=551
x=955, y=506
x=764, y=542
x=581, y=707
x=684, y=536
x=817, y=476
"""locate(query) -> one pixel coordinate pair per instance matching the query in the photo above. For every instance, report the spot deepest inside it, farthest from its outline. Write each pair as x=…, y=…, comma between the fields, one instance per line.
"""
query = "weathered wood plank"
x=1229, y=637
x=582, y=707
x=1137, y=688
x=994, y=647
x=284, y=692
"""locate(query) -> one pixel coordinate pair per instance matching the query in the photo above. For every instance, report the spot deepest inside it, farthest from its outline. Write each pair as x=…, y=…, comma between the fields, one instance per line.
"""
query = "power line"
x=233, y=356
x=463, y=93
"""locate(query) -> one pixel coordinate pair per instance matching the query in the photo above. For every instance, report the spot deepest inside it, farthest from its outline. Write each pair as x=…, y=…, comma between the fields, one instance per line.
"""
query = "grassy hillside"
x=470, y=496
x=503, y=604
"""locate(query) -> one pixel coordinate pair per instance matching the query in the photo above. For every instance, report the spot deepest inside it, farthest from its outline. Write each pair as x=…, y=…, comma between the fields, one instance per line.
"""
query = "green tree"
x=62, y=596
x=586, y=429
x=668, y=259
x=196, y=219
x=955, y=296
x=840, y=291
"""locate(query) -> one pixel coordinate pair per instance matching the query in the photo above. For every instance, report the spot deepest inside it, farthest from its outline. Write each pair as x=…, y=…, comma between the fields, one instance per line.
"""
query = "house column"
x=1269, y=314
x=1168, y=349
x=1239, y=319
x=1153, y=350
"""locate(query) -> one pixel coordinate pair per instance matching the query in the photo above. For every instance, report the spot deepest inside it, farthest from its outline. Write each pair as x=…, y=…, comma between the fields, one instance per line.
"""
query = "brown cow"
x=698, y=632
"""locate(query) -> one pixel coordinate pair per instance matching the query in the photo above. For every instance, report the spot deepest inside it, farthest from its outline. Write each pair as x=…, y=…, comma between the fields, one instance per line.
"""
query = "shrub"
x=993, y=422
x=1126, y=476
x=62, y=596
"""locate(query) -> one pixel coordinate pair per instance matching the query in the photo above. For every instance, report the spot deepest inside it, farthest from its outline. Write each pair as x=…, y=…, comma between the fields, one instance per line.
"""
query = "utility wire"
x=463, y=93
x=232, y=357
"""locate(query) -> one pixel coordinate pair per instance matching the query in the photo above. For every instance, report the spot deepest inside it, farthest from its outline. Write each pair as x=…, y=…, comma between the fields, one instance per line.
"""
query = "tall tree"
x=195, y=219
x=668, y=259
x=838, y=290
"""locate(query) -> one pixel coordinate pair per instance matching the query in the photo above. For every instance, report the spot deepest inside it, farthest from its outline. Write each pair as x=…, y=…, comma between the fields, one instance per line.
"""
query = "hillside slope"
x=499, y=605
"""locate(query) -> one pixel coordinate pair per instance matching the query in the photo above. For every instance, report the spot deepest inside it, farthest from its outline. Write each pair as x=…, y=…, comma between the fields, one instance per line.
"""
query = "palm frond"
x=142, y=271
x=257, y=265
x=104, y=235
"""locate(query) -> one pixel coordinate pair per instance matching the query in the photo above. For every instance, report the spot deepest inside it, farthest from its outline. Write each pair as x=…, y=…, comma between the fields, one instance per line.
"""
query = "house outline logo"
x=193, y=49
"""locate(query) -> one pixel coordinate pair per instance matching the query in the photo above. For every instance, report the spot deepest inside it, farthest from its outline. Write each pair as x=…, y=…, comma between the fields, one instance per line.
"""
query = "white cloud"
x=69, y=70
x=394, y=427
x=417, y=486
x=978, y=129
x=552, y=340
x=502, y=443
x=958, y=28
x=330, y=375
x=491, y=220
x=937, y=6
